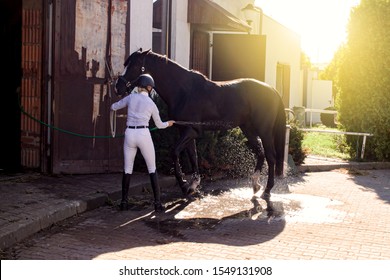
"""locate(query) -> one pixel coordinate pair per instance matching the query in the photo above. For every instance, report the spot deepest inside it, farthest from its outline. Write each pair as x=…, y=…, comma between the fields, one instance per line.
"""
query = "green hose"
x=70, y=132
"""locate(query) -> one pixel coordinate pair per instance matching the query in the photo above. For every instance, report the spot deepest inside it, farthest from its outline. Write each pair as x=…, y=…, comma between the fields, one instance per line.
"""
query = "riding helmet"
x=145, y=80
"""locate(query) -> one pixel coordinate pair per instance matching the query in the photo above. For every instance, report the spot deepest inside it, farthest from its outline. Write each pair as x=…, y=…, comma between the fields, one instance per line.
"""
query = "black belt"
x=140, y=126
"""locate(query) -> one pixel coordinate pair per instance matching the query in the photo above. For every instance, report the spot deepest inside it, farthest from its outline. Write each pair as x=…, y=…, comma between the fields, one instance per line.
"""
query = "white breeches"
x=142, y=139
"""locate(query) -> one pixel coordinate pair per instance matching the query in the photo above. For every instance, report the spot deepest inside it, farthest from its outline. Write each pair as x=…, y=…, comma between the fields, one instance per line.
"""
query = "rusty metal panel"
x=251, y=64
x=31, y=86
x=200, y=52
x=88, y=35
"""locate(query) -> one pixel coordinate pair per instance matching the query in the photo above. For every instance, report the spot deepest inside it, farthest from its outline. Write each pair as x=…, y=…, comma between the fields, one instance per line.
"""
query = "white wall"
x=91, y=34
x=283, y=46
x=319, y=95
x=141, y=23
x=181, y=33
x=118, y=36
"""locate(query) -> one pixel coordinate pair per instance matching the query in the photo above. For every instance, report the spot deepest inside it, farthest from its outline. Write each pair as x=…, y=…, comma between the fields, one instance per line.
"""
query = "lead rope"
x=112, y=113
x=113, y=123
x=67, y=131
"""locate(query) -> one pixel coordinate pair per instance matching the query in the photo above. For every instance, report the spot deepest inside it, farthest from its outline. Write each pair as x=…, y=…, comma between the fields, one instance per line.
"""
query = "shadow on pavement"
x=223, y=213
x=256, y=222
x=372, y=180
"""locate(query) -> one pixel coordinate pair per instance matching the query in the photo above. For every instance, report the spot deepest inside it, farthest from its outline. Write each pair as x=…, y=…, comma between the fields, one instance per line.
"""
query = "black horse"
x=191, y=97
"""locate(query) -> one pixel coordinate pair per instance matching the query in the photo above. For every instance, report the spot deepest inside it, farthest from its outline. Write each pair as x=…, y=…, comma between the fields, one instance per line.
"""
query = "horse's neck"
x=168, y=77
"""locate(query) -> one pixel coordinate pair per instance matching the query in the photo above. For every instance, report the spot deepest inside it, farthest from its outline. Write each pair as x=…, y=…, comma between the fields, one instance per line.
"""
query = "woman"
x=140, y=108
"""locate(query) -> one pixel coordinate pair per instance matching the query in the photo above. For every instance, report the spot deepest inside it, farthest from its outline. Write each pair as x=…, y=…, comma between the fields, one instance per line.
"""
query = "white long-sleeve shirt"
x=140, y=108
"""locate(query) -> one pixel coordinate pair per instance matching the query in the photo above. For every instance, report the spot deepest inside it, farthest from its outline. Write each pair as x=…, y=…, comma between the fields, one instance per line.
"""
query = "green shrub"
x=326, y=145
x=227, y=154
x=296, y=150
x=363, y=78
x=220, y=153
x=328, y=119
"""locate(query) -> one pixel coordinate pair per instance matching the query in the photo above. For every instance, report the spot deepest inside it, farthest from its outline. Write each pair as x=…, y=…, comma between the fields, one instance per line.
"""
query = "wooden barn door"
x=81, y=95
x=31, y=84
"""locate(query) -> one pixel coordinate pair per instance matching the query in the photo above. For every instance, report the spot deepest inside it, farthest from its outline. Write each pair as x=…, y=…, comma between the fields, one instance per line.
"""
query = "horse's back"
x=247, y=86
x=253, y=93
x=245, y=102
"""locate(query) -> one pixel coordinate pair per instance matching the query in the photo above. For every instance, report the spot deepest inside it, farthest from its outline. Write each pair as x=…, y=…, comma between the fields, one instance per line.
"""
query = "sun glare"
x=320, y=23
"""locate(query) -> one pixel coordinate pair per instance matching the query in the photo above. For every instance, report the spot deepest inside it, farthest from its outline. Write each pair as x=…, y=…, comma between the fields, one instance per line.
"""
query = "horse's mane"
x=190, y=73
x=191, y=76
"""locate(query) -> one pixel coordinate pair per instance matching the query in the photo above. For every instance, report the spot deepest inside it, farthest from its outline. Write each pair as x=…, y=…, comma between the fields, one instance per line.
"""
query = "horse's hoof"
x=270, y=214
x=124, y=206
x=158, y=207
x=195, y=180
x=193, y=187
x=184, y=188
x=259, y=209
x=265, y=196
x=193, y=184
x=191, y=191
x=256, y=205
x=256, y=187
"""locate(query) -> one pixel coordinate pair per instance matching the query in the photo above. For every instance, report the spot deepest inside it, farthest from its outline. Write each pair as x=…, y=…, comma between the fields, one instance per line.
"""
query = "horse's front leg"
x=179, y=175
x=193, y=156
x=187, y=136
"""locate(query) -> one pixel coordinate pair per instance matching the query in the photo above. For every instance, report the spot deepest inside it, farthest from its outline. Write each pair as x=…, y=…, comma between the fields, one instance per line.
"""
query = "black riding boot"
x=158, y=207
x=125, y=191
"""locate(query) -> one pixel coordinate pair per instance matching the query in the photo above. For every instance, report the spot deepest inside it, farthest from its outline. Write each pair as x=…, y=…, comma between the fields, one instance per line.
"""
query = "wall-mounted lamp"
x=250, y=13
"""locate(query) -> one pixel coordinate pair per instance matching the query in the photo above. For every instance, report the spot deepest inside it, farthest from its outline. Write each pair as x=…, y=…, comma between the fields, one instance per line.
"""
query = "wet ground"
x=228, y=200
x=341, y=214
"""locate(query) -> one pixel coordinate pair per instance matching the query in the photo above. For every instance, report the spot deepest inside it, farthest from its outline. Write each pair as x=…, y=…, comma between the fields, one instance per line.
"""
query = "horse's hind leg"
x=193, y=156
x=270, y=156
x=254, y=143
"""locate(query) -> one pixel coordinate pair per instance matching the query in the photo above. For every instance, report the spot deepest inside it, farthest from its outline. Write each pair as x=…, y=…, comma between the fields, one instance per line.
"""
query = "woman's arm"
x=157, y=120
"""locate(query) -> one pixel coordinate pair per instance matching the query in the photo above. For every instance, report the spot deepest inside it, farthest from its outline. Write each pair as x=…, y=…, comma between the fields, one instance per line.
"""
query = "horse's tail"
x=280, y=139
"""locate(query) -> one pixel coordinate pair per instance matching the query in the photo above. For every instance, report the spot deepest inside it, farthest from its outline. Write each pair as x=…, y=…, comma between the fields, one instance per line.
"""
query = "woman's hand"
x=170, y=123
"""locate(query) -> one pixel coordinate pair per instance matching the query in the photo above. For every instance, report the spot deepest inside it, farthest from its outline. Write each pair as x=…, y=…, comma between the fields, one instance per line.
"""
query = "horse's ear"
x=135, y=53
x=127, y=61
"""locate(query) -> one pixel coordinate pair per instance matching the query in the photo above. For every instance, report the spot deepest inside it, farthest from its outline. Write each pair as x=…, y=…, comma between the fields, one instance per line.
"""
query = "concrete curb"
x=44, y=218
x=348, y=165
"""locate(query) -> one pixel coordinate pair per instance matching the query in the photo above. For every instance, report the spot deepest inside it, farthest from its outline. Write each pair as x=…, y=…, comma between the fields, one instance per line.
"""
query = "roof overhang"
x=205, y=14
x=213, y=17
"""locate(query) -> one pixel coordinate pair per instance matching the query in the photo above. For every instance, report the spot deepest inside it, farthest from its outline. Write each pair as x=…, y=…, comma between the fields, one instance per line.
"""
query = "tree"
x=364, y=77
x=332, y=70
x=305, y=61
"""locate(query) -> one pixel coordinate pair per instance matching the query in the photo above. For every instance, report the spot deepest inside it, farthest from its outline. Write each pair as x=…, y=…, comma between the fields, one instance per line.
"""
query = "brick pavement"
x=31, y=202
x=327, y=215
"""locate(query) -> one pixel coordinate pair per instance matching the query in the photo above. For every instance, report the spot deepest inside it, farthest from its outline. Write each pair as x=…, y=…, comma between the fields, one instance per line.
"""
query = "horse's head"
x=134, y=66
